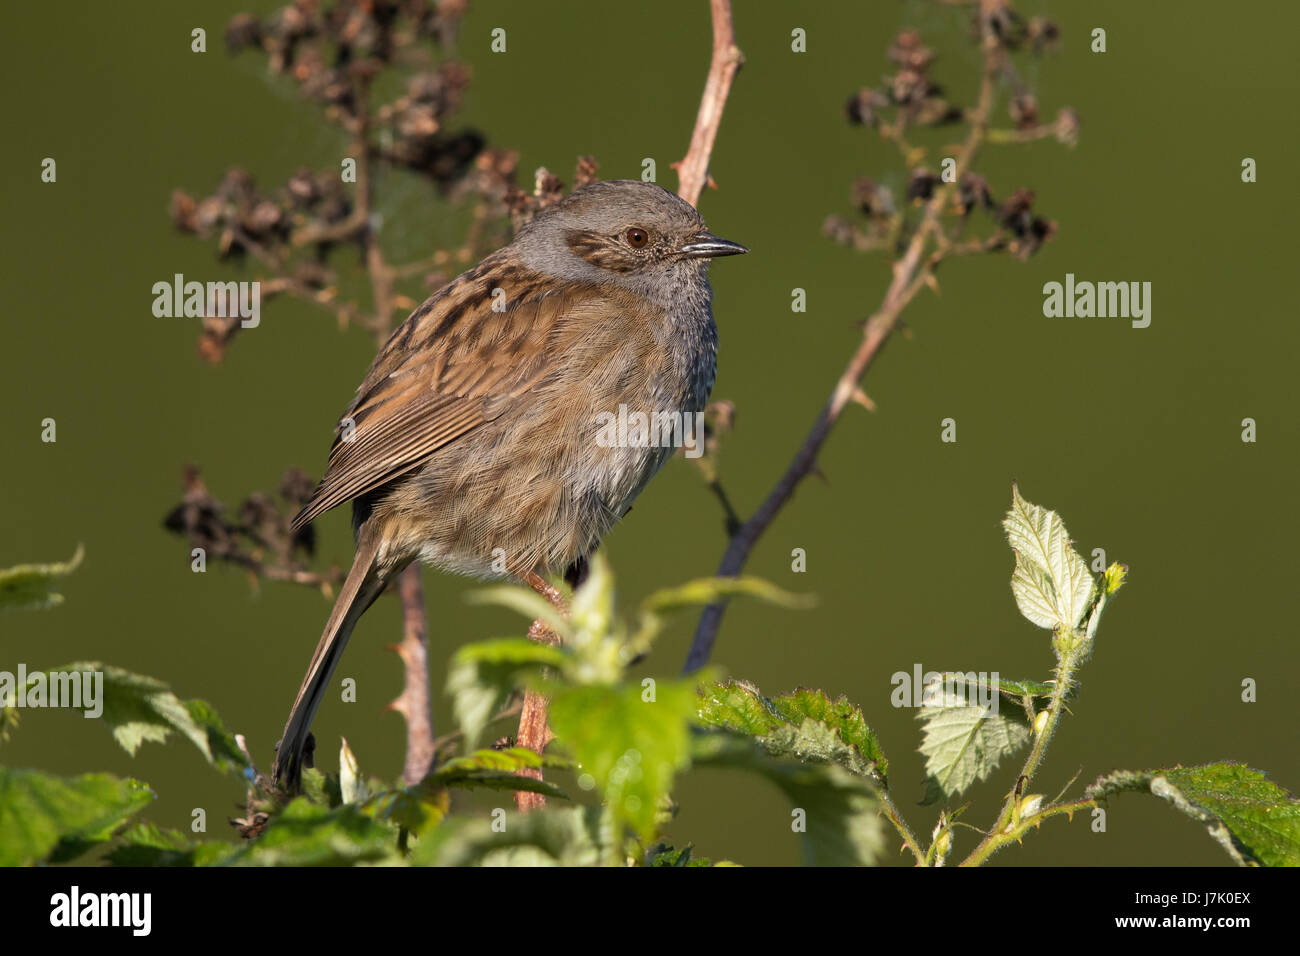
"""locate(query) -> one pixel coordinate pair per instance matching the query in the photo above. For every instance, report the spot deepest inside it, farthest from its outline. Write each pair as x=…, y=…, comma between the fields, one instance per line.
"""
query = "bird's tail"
x=363, y=585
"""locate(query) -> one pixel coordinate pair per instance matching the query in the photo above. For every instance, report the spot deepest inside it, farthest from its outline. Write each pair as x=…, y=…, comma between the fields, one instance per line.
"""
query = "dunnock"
x=473, y=443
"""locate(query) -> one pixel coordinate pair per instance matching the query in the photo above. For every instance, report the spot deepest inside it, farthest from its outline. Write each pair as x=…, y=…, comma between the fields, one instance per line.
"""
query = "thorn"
x=863, y=399
x=933, y=283
x=709, y=181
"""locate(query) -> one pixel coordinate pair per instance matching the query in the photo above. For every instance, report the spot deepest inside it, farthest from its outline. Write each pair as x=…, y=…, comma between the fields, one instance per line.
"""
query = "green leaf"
x=963, y=743
x=661, y=854
x=305, y=834
x=839, y=810
x=422, y=807
x=321, y=788
x=1050, y=582
x=1252, y=818
x=137, y=708
x=221, y=742
x=708, y=590
x=418, y=809
x=631, y=748
x=144, y=844
x=498, y=770
x=571, y=836
x=38, y=811
x=483, y=675
x=28, y=587
x=805, y=724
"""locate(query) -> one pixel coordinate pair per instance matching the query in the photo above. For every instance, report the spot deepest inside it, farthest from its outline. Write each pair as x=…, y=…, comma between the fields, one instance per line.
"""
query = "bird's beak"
x=705, y=245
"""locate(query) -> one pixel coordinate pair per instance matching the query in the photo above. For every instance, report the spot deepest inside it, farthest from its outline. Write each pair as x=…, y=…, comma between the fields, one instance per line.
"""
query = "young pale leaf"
x=837, y=812
x=527, y=602
x=31, y=586
x=805, y=724
x=38, y=811
x=1051, y=582
x=630, y=745
x=1252, y=818
x=592, y=612
x=352, y=789
x=963, y=743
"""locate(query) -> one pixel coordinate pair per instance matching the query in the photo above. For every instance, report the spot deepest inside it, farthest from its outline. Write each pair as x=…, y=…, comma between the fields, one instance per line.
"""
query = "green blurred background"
x=1132, y=435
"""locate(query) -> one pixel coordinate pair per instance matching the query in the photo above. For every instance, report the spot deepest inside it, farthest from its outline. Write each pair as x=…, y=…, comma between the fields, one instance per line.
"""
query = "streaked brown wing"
x=448, y=369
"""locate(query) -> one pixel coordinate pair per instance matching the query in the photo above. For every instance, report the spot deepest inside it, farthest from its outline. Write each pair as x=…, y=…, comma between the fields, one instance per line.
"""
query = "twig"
x=413, y=702
x=533, y=731
x=693, y=170
x=911, y=273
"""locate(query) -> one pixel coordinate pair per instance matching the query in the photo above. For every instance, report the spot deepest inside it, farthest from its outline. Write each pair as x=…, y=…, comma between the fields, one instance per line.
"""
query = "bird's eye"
x=637, y=237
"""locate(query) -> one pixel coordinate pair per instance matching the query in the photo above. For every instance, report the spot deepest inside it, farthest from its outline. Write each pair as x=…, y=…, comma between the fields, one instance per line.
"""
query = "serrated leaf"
x=137, y=708
x=222, y=745
x=483, y=675
x=1051, y=582
x=963, y=743
x=805, y=724
x=1252, y=818
x=321, y=788
x=838, y=809
x=630, y=746
x=39, y=811
x=27, y=587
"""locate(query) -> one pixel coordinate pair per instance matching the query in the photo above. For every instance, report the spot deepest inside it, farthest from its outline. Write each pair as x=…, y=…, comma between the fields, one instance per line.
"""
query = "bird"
x=473, y=442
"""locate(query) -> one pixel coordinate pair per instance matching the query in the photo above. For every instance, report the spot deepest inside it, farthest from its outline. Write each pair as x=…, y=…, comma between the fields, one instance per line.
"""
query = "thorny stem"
x=533, y=730
x=1072, y=649
x=693, y=169
x=911, y=272
x=413, y=703
x=904, y=831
